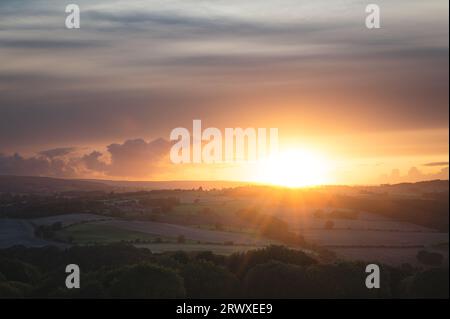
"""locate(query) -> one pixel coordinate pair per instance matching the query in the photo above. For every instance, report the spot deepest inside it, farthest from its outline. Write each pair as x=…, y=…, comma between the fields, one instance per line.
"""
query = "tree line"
x=124, y=271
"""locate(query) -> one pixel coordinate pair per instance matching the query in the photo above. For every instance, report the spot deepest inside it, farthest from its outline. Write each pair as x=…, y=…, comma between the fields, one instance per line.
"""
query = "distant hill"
x=42, y=185
x=34, y=184
x=153, y=185
x=419, y=187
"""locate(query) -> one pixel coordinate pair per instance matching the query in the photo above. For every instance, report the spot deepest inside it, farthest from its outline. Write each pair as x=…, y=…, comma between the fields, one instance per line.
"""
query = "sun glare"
x=294, y=168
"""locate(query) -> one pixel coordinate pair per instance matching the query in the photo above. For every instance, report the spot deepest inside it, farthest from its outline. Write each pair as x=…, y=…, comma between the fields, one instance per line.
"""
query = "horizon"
x=240, y=182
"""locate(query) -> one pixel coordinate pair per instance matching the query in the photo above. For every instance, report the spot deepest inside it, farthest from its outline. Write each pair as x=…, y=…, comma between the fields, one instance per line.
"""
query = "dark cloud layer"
x=131, y=159
x=141, y=68
x=138, y=159
x=35, y=166
x=57, y=152
x=436, y=164
x=414, y=175
x=36, y=44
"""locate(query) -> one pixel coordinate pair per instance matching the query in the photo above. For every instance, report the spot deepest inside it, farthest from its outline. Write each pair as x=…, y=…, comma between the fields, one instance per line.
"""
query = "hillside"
x=45, y=185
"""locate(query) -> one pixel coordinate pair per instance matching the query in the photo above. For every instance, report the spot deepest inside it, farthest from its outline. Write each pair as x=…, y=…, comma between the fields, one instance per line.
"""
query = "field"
x=367, y=238
x=20, y=232
x=87, y=230
x=195, y=234
x=389, y=256
x=217, y=249
x=93, y=233
x=235, y=220
x=69, y=219
x=155, y=234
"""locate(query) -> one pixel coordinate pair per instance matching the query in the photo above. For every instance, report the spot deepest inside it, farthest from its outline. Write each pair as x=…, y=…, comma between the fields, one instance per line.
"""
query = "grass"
x=186, y=209
x=215, y=248
x=220, y=207
x=229, y=229
x=102, y=234
x=92, y=233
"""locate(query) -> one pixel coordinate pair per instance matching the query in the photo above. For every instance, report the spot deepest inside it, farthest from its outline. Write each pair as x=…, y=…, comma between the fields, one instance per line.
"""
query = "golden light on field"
x=294, y=168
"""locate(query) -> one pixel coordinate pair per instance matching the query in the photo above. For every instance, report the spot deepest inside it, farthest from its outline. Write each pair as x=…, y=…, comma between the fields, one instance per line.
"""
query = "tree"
x=203, y=279
x=430, y=258
x=9, y=291
x=279, y=280
x=208, y=255
x=431, y=283
x=240, y=263
x=15, y=270
x=146, y=281
x=181, y=256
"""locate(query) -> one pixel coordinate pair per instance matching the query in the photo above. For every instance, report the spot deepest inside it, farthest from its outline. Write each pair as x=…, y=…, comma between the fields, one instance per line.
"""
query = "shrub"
x=431, y=283
x=15, y=270
x=9, y=291
x=14, y=289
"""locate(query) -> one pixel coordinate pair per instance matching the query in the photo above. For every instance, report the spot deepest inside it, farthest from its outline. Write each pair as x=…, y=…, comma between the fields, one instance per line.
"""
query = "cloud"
x=138, y=159
x=57, y=152
x=36, y=166
x=93, y=162
x=134, y=158
x=59, y=44
x=414, y=175
x=140, y=68
x=436, y=164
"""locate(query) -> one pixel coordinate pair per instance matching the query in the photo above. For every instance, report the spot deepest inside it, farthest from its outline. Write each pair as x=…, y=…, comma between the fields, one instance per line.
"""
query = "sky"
x=101, y=101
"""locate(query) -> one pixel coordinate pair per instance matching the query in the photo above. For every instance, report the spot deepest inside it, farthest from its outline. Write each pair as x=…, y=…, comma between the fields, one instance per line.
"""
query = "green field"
x=93, y=233
x=218, y=207
x=90, y=233
x=194, y=247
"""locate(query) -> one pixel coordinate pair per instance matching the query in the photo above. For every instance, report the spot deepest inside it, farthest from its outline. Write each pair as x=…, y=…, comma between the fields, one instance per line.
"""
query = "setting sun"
x=294, y=168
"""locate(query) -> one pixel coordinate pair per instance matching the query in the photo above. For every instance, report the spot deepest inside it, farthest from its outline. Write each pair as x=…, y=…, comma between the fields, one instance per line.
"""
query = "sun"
x=294, y=168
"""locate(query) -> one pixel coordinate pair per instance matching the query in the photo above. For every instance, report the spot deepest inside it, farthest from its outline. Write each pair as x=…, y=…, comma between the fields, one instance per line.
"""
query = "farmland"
x=20, y=232
x=236, y=219
x=227, y=242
